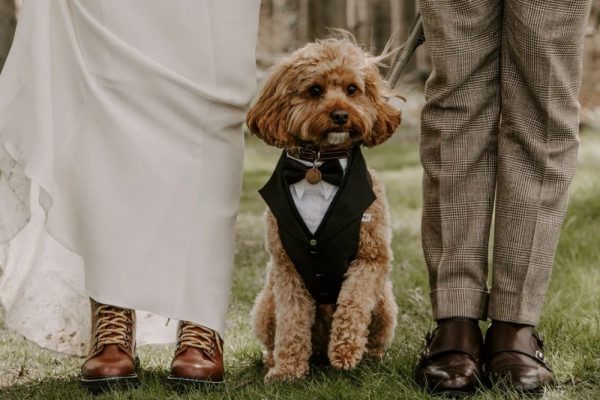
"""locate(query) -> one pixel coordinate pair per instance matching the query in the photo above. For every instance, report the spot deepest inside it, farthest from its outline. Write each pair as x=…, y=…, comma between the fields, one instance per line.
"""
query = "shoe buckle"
x=428, y=337
x=539, y=355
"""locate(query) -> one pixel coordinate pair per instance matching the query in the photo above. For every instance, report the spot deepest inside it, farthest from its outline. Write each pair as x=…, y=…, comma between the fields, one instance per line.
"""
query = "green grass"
x=571, y=320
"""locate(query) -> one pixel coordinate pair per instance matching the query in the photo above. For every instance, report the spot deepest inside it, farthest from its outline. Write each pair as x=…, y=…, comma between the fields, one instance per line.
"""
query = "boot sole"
x=106, y=384
x=179, y=382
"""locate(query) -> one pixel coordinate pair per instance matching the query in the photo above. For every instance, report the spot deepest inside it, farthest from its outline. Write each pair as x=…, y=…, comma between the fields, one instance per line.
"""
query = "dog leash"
x=415, y=38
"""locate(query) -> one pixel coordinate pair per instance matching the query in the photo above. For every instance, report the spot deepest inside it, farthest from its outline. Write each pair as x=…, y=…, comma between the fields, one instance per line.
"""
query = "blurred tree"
x=326, y=14
x=381, y=24
x=288, y=24
x=8, y=23
x=595, y=16
x=359, y=15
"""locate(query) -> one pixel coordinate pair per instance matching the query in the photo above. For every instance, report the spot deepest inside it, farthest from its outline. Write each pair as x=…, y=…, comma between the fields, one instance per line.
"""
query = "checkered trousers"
x=499, y=130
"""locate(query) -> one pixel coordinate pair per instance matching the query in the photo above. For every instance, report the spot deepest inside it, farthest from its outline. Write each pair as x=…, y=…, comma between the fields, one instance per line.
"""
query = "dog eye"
x=351, y=90
x=315, y=91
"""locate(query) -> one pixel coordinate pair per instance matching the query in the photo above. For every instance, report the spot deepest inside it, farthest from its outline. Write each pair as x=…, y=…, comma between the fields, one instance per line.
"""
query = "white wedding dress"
x=126, y=117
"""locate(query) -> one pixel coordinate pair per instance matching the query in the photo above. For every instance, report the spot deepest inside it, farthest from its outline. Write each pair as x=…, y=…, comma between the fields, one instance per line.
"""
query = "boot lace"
x=205, y=339
x=114, y=326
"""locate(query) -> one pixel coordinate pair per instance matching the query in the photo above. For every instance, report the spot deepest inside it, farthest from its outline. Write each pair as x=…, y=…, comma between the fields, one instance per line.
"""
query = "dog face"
x=326, y=95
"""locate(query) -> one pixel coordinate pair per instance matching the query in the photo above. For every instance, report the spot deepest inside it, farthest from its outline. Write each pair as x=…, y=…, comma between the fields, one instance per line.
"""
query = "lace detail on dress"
x=14, y=192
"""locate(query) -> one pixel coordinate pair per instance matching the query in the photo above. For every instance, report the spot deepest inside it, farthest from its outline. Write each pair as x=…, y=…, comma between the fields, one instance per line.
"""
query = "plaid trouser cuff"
x=468, y=303
x=517, y=307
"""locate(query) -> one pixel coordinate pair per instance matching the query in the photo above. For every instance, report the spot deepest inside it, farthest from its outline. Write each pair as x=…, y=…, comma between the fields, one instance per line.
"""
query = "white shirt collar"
x=325, y=188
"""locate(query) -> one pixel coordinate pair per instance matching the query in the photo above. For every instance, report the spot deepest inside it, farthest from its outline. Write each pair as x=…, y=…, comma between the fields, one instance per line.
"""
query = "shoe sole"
x=100, y=385
x=439, y=389
x=452, y=393
x=532, y=390
x=179, y=382
x=525, y=391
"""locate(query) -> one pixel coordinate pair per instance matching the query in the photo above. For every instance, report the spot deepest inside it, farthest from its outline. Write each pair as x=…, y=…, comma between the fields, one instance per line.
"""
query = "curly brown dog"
x=327, y=291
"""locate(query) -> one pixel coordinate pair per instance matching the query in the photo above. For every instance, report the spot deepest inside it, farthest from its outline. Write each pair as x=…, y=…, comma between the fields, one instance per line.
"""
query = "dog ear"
x=388, y=117
x=267, y=117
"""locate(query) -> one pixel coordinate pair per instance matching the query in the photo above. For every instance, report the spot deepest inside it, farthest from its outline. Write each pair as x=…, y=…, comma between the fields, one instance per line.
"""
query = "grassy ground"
x=571, y=321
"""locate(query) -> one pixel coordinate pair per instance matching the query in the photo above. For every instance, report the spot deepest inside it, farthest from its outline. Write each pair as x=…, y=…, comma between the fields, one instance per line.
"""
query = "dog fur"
x=286, y=319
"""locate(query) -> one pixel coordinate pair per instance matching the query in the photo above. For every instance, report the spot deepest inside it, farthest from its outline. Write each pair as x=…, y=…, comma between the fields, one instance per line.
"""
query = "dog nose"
x=340, y=117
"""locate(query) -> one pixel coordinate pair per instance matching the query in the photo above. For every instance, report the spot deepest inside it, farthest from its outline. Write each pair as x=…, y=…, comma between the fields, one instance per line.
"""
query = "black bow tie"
x=294, y=171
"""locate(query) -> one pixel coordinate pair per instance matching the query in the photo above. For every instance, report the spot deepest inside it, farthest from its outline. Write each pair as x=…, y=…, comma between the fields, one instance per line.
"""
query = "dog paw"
x=345, y=355
x=285, y=375
x=376, y=353
x=268, y=360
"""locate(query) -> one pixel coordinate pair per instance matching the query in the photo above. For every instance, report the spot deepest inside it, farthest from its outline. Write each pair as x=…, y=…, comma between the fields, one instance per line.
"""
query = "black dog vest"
x=322, y=258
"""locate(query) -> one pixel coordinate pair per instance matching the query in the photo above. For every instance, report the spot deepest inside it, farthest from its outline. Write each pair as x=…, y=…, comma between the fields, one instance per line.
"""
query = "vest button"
x=313, y=242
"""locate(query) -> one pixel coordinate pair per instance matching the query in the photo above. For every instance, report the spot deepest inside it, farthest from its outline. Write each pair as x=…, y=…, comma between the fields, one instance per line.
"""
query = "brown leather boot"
x=514, y=354
x=111, y=361
x=199, y=356
x=451, y=361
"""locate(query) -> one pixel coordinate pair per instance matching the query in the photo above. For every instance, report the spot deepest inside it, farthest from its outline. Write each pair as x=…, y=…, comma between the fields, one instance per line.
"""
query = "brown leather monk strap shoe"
x=514, y=354
x=451, y=361
x=111, y=361
x=199, y=356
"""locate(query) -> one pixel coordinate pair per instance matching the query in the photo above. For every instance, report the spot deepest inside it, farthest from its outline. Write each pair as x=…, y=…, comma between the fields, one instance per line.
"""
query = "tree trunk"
x=361, y=28
x=422, y=61
x=303, y=21
x=380, y=25
x=8, y=23
x=324, y=15
x=409, y=11
x=397, y=24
